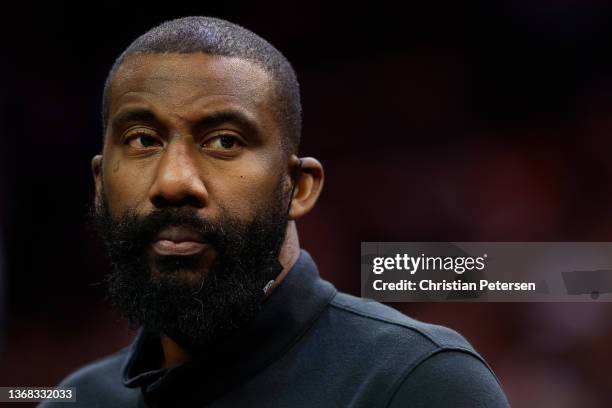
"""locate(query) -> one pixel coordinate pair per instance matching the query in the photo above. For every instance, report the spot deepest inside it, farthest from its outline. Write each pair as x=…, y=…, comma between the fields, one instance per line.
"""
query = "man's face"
x=192, y=192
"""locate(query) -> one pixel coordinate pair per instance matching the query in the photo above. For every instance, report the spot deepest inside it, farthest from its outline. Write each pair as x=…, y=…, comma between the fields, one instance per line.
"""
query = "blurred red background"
x=487, y=122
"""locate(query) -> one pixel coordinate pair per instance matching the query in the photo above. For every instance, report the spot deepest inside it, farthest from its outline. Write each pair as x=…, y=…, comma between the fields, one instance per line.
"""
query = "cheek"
x=126, y=187
x=247, y=190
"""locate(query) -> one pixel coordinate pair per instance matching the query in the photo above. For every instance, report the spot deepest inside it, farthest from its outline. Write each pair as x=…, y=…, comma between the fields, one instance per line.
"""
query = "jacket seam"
x=383, y=319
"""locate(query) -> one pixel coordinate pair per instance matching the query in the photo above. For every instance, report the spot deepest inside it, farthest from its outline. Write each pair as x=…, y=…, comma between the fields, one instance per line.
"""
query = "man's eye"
x=223, y=142
x=144, y=141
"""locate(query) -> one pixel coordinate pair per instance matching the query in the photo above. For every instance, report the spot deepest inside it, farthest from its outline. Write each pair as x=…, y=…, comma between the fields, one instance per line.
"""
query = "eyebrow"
x=134, y=115
x=229, y=116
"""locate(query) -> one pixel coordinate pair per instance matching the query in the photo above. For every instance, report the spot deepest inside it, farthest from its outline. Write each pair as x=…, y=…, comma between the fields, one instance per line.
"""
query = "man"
x=197, y=193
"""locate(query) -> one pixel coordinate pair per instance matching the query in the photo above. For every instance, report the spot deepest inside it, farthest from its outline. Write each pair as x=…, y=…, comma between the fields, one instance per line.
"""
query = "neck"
x=175, y=355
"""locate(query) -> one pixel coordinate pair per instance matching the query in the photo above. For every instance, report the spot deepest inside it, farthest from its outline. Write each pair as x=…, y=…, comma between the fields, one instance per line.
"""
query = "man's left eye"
x=223, y=142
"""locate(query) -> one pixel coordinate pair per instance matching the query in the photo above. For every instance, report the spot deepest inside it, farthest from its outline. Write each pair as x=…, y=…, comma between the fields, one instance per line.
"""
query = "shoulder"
x=95, y=382
x=429, y=365
x=374, y=315
x=104, y=372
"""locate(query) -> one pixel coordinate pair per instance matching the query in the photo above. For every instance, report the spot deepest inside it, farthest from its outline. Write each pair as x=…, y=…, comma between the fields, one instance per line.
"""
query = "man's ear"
x=96, y=169
x=308, y=186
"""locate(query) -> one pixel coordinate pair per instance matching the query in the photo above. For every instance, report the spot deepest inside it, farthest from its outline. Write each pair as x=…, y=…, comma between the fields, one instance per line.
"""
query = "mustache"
x=135, y=231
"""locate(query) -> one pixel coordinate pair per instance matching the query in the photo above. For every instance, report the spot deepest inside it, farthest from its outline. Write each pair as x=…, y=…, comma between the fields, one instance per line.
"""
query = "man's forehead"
x=181, y=79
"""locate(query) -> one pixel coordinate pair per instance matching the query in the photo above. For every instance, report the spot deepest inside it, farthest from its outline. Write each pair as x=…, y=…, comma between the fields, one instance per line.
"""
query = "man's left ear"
x=308, y=186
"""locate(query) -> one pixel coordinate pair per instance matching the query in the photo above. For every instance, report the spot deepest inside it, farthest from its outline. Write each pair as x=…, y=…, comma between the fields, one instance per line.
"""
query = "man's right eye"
x=143, y=141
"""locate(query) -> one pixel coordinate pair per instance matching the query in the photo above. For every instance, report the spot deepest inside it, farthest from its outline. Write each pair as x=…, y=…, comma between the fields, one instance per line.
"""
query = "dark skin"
x=198, y=130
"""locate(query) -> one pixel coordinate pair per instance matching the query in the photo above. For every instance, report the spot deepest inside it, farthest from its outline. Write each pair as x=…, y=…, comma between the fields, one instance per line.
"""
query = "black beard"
x=193, y=312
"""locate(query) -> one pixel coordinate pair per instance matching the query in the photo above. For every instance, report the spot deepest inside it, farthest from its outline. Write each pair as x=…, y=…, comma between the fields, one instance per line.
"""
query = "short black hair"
x=215, y=36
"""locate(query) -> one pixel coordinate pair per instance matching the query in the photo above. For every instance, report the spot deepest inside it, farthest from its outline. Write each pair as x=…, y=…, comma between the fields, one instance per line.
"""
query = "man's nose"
x=178, y=181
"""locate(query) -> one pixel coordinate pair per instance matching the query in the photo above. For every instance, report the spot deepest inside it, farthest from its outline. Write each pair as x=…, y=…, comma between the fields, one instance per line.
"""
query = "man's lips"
x=178, y=240
x=165, y=247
